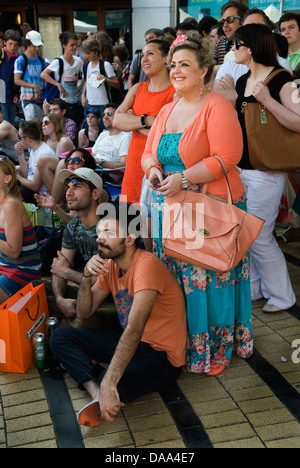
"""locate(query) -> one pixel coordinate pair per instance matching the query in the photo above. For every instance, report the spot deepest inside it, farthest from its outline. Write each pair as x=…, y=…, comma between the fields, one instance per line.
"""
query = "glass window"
x=291, y=5
x=200, y=8
x=85, y=21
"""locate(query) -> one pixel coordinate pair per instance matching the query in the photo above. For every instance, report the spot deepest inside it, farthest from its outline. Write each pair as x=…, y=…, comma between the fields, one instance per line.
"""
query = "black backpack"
x=114, y=95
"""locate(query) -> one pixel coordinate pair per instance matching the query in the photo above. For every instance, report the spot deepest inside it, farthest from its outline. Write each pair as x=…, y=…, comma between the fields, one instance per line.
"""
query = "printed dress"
x=218, y=305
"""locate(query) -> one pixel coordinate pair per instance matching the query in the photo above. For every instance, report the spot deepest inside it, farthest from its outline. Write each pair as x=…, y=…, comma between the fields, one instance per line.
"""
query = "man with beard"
x=148, y=353
x=84, y=190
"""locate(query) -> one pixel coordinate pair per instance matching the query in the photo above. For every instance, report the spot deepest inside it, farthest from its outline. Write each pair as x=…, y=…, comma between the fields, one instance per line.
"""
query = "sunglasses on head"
x=76, y=160
x=78, y=182
x=229, y=20
x=3, y=157
x=109, y=114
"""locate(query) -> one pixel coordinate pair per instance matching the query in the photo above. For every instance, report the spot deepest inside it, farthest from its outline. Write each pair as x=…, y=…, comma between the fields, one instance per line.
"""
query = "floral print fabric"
x=218, y=304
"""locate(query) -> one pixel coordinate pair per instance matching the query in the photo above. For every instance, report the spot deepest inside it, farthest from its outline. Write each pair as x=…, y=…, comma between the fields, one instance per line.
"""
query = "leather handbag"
x=208, y=232
x=271, y=145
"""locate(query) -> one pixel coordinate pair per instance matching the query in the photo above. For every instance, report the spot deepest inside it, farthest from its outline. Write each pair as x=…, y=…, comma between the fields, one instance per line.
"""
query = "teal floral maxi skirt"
x=219, y=307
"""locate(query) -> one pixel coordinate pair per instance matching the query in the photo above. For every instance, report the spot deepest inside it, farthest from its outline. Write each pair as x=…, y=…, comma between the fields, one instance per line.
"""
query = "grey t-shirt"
x=77, y=236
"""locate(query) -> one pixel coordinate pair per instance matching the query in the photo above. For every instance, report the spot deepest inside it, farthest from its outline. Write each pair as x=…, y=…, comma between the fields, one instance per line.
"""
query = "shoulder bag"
x=271, y=145
x=203, y=230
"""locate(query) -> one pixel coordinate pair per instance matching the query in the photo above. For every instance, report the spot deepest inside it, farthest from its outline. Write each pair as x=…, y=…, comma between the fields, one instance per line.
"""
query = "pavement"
x=252, y=404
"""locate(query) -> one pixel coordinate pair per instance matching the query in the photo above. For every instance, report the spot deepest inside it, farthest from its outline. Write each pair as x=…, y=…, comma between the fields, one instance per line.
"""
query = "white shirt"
x=43, y=150
x=112, y=147
x=98, y=96
x=71, y=75
x=236, y=70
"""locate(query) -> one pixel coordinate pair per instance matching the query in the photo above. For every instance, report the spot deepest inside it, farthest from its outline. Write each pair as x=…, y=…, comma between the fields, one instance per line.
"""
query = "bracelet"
x=87, y=276
x=149, y=169
x=143, y=122
x=184, y=182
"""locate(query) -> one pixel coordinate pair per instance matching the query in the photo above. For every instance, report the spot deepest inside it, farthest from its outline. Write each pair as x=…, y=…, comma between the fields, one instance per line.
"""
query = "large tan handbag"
x=206, y=231
x=271, y=145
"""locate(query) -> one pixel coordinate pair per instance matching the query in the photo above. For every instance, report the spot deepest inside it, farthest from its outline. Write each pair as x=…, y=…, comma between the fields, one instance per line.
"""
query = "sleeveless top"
x=150, y=104
x=27, y=267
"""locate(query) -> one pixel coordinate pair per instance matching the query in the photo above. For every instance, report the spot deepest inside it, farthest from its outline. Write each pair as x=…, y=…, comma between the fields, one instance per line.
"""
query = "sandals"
x=90, y=415
x=291, y=234
x=215, y=369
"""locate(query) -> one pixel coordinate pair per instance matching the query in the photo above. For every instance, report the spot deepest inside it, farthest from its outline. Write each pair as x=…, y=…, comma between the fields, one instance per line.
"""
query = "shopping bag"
x=21, y=316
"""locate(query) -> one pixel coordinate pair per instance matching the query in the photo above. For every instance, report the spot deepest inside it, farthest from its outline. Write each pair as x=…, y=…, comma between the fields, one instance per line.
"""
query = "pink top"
x=215, y=131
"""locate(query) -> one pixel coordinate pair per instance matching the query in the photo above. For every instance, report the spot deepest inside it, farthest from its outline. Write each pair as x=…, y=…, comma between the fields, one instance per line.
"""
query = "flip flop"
x=215, y=369
x=90, y=415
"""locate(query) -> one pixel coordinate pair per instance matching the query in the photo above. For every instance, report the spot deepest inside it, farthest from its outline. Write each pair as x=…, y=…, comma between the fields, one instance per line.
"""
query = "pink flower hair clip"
x=179, y=40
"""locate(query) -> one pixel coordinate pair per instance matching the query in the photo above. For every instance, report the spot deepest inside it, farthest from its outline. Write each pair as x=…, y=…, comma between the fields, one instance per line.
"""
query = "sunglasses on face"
x=46, y=122
x=91, y=116
x=109, y=114
x=239, y=44
x=76, y=160
x=229, y=20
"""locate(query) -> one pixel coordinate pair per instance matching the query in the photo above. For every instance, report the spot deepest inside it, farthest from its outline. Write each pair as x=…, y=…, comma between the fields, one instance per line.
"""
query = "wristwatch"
x=143, y=122
x=184, y=182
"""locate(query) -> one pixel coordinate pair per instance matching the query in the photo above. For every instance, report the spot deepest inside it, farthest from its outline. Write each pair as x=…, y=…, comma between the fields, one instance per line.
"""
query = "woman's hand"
x=171, y=185
x=155, y=177
x=261, y=93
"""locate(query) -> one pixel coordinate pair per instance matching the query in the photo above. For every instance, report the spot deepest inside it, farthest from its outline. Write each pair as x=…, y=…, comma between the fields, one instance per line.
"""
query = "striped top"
x=27, y=267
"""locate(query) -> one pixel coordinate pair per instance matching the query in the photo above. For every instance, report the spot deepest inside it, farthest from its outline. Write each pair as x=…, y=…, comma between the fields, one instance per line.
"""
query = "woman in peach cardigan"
x=179, y=154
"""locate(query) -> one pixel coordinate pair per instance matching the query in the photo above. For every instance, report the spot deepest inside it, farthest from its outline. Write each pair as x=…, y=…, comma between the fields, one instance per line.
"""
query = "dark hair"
x=257, y=11
x=157, y=32
x=185, y=27
x=290, y=17
x=206, y=24
x=66, y=36
x=127, y=215
x=282, y=45
x=241, y=9
x=163, y=46
x=58, y=102
x=89, y=160
x=113, y=105
x=219, y=28
x=31, y=129
x=13, y=35
x=260, y=39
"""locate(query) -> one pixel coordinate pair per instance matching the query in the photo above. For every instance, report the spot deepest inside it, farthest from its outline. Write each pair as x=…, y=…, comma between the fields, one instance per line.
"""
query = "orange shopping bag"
x=21, y=316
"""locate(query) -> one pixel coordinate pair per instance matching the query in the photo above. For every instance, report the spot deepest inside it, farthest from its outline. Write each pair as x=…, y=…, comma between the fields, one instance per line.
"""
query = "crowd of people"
x=159, y=121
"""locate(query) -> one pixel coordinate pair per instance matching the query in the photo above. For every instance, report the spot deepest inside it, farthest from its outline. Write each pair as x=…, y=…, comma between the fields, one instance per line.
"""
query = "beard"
x=108, y=253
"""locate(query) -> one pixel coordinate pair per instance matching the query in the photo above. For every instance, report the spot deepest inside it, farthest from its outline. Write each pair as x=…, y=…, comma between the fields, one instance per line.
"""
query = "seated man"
x=111, y=147
x=149, y=353
x=8, y=139
x=84, y=190
x=30, y=134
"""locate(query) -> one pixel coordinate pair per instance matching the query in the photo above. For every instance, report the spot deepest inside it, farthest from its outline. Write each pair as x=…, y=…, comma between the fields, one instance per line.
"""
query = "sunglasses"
x=91, y=116
x=239, y=44
x=3, y=158
x=46, y=122
x=76, y=160
x=78, y=182
x=229, y=20
x=109, y=114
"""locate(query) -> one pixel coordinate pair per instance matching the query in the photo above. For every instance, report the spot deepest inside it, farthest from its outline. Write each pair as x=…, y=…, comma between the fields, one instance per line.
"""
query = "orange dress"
x=149, y=104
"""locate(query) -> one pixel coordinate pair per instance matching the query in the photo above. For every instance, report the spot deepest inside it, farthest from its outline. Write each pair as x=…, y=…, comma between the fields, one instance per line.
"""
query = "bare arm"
x=125, y=119
x=13, y=227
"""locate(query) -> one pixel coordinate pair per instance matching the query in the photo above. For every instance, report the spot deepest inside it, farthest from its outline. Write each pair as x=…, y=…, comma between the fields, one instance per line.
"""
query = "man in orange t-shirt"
x=149, y=353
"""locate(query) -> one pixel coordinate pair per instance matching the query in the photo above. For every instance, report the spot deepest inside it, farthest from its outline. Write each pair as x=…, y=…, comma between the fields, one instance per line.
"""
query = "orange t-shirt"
x=166, y=328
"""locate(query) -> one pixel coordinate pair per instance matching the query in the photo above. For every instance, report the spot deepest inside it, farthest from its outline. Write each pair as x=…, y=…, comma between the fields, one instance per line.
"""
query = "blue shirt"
x=7, y=75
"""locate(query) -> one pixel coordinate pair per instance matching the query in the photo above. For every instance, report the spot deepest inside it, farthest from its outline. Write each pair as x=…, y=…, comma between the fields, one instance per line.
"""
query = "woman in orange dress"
x=138, y=112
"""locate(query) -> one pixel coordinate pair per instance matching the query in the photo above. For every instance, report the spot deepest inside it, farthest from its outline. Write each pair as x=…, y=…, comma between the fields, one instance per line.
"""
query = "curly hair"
x=202, y=49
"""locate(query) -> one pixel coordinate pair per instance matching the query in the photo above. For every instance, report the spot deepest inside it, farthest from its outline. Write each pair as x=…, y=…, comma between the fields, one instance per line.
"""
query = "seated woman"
x=87, y=137
x=54, y=136
x=19, y=257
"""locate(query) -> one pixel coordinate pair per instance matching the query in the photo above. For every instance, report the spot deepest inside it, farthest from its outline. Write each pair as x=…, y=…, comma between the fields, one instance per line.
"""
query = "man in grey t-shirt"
x=84, y=190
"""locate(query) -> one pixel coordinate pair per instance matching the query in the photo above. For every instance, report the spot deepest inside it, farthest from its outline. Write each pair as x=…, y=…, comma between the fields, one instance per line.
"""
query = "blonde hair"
x=8, y=168
x=202, y=49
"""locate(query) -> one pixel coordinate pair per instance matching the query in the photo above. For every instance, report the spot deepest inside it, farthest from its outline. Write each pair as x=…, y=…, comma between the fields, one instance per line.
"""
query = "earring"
x=6, y=189
x=176, y=95
x=200, y=94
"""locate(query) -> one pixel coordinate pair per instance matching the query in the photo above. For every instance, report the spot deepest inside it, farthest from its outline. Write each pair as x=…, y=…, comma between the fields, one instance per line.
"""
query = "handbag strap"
x=229, y=194
x=275, y=73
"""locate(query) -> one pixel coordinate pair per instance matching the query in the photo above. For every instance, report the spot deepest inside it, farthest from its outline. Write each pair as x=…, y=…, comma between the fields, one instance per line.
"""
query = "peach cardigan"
x=215, y=131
